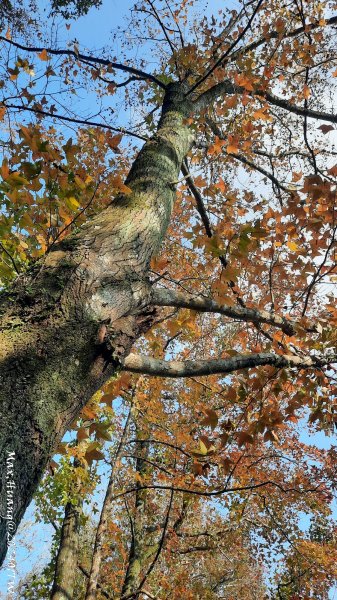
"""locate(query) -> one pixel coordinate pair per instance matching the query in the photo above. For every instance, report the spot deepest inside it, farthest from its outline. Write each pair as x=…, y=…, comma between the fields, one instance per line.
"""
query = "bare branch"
x=86, y=122
x=165, y=297
x=225, y=490
x=137, y=363
x=198, y=198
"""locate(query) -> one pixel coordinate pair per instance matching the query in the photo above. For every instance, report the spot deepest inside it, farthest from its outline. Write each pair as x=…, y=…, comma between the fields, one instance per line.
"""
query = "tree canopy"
x=168, y=269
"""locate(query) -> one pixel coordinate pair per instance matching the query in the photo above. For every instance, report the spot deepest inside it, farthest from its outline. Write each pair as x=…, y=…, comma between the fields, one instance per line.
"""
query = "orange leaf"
x=114, y=140
x=231, y=149
x=82, y=434
x=297, y=176
x=93, y=455
x=306, y=91
x=87, y=412
x=244, y=81
x=44, y=55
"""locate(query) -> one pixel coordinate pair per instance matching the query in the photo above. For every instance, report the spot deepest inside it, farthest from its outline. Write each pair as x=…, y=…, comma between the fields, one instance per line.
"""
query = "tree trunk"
x=66, y=326
x=103, y=521
x=67, y=556
x=137, y=549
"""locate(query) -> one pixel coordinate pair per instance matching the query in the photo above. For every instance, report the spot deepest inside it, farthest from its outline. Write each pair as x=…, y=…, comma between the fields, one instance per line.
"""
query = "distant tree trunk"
x=143, y=548
x=67, y=557
x=66, y=325
x=138, y=537
x=102, y=525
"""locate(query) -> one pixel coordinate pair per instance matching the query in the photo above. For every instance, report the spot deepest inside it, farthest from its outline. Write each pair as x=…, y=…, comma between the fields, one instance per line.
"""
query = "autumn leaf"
x=293, y=246
x=306, y=92
x=211, y=419
x=92, y=455
x=44, y=55
x=82, y=433
x=326, y=128
x=233, y=146
x=114, y=141
x=245, y=438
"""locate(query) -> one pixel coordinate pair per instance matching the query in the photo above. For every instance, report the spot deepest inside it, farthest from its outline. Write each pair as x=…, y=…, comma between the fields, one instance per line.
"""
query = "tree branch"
x=225, y=490
x=229, y=50
x=45, y=113
x=275, y=35
x=165, y=297
x=217, y=131
x=198, y=199
x=87, y=58
x=138, y=363
x=228, y=87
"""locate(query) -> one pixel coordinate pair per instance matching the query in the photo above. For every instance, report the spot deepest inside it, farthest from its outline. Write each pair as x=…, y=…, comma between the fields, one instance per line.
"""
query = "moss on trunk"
x=51, y=352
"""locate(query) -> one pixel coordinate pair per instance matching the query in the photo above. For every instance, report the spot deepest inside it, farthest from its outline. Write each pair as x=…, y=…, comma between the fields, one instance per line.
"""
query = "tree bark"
x=67, y=557
x=66, y=325
x=137, y=550
x=103, y=521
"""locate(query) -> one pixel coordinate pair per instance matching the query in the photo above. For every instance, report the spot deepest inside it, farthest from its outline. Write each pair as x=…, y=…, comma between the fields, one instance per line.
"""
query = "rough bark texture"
x=67, y=558
x=66, y=325
x=138, y=544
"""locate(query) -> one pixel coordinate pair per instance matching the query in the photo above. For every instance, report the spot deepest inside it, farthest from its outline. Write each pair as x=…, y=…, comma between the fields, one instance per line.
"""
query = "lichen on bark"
x=51, y=359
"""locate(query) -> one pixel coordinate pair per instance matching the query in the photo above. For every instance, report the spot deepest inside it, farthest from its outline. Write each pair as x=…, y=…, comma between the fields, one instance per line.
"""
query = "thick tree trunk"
x=67, y=557
x=66, y=325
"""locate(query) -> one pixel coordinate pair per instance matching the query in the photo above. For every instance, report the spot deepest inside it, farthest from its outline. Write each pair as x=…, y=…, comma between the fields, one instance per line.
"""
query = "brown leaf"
x=211, y=420
x=245, y=438
x=326, y=128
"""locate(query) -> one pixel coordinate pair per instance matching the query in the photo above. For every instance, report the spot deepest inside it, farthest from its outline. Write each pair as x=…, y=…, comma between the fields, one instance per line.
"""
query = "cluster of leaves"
x=49, y=187
x=70, y=9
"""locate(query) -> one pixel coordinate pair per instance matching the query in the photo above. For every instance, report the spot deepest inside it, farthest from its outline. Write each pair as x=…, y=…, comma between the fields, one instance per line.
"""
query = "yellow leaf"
x=79, y=182
x=72, y=203
x=203, y=448
x=293, y=246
